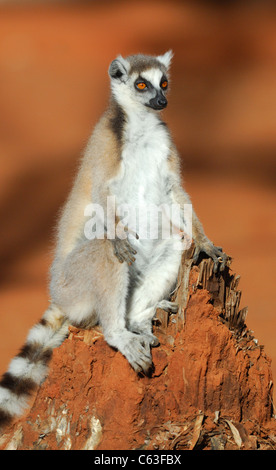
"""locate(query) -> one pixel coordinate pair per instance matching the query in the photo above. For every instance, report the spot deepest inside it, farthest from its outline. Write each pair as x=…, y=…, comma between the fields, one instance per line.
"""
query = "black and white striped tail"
x=29, y=368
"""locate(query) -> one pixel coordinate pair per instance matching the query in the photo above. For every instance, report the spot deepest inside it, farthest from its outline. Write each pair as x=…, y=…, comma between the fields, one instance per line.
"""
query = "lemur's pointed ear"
x=118, y=69
x=166, y=58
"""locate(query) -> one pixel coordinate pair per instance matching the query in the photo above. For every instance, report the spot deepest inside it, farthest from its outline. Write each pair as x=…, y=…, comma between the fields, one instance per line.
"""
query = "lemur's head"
x=140, y=80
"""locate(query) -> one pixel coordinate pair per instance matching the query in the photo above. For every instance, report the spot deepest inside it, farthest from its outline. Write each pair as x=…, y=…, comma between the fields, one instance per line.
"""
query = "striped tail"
x=29, y=368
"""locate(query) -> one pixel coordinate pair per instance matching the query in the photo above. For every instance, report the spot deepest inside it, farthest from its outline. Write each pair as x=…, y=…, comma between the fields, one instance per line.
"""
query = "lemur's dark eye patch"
x=141, y=84
x=164, y=83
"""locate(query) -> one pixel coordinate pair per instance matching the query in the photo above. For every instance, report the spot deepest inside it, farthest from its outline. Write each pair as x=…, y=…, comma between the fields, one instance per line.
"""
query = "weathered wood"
x=182, y=292
x=222, y=287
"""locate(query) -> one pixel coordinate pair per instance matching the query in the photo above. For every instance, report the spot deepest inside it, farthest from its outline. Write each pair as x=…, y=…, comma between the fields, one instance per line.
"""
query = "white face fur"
x=140, y=82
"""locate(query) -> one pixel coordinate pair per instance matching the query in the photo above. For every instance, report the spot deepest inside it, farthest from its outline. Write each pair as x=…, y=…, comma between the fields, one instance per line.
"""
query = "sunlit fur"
x=131, y=156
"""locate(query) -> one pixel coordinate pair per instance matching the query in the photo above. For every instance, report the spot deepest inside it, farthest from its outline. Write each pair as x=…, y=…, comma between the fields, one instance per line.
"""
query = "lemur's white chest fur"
x=141, y=186
x=142, y=179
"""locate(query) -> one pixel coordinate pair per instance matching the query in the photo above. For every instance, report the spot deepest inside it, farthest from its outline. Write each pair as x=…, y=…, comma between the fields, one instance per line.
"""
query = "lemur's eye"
x=164, y=84
x=141, y=85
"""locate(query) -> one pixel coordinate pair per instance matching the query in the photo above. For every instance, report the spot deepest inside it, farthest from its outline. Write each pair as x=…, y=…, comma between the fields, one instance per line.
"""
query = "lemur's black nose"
x=162, y=102
x=158, y=102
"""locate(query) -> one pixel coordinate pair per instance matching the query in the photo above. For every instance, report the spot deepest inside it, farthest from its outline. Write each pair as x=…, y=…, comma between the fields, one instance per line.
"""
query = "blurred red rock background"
x=54, y=85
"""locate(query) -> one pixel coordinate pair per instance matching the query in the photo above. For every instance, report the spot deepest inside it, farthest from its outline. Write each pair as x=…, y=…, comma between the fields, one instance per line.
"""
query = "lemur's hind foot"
x=144, y=329
x=135, y=347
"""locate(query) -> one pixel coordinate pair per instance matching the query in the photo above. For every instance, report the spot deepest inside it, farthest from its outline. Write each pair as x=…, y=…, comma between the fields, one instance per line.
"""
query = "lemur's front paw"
x=123, y=250
x=215, y=252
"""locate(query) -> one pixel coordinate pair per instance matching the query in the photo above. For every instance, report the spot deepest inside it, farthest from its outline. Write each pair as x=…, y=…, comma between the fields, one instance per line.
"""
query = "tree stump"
x=210, y=386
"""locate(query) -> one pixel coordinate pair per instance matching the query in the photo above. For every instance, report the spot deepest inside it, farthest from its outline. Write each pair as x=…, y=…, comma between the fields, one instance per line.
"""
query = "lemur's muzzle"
x=158, y=102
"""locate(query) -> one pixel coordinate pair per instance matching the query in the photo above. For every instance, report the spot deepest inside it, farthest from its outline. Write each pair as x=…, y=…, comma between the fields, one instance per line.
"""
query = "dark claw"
x=126, y=229
x=145, y=371
x=220, y=261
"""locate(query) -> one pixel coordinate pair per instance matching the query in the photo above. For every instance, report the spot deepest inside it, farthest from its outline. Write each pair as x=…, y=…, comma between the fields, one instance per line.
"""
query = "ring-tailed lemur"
x=115, y=281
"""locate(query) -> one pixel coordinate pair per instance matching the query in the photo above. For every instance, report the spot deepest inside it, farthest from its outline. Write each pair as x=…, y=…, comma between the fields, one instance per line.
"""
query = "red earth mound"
x=210, y=386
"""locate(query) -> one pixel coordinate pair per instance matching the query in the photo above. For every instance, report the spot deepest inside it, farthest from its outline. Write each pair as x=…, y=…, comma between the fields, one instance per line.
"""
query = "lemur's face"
x=150, y=88
x=140, y=81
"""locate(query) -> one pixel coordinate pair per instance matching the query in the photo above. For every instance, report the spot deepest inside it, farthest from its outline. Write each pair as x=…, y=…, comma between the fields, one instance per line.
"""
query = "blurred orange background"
x=54, y=58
